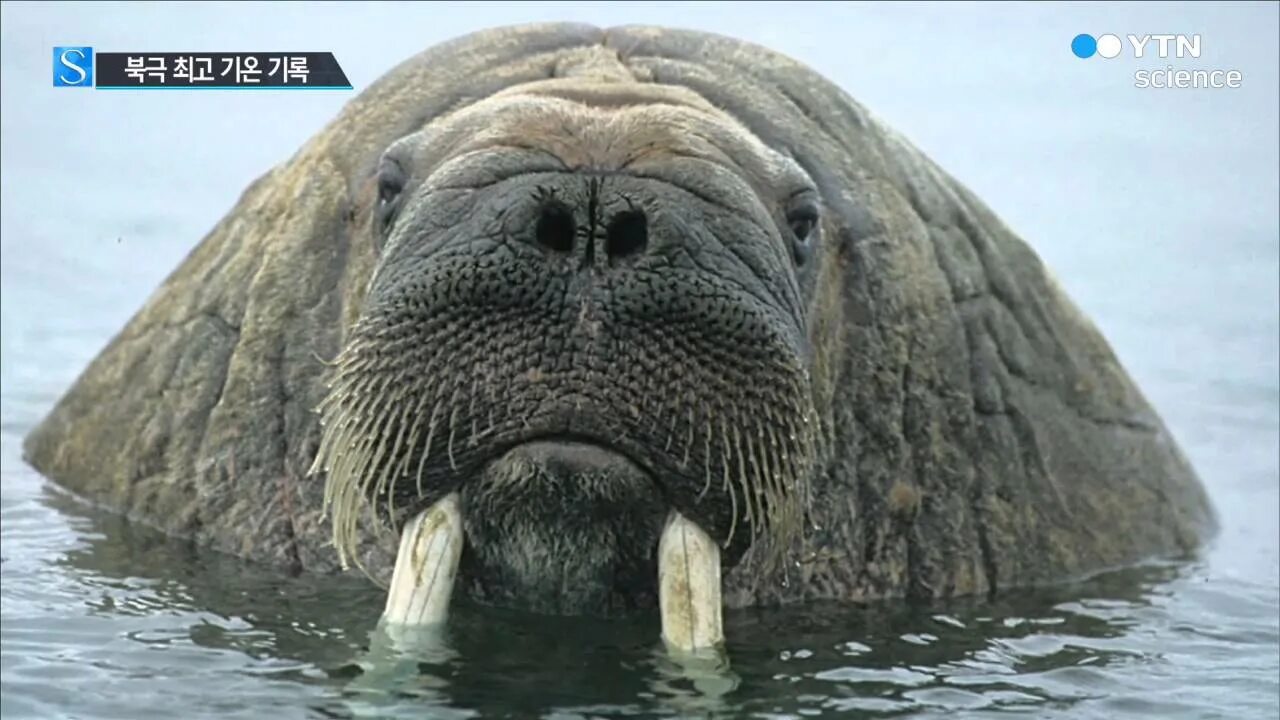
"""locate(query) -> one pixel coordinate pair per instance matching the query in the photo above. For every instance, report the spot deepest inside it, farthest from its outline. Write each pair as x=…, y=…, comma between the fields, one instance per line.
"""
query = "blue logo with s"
x=73, y=67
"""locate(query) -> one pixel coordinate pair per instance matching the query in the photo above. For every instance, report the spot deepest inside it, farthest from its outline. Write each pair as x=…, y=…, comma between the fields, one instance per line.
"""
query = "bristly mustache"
x=382, y=423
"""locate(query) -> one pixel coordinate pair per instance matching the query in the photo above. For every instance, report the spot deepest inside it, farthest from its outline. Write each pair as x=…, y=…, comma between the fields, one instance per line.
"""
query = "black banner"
x=278, y=70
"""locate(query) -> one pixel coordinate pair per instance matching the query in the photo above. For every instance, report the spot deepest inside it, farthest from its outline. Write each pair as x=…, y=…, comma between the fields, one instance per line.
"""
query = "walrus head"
x=588, y=325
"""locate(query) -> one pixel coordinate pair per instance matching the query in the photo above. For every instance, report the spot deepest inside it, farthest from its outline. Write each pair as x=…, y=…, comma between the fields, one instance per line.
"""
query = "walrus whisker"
x=812, y=449
x=689, y=443
x=790, y=467
x=352, y=463
x=327, y=363
x=775, y=456
x=758, y=461
x=772, y=469
x=726, y=458
x=348, y=456
x=384, y=478
x=733, y=507
x=757, y=514
x=358, y=435
x=491, y=387
x=365, y=398
x=705, y=486
x=341, y=499
x=411, y=442
x=334, y=405
x=379, y=466
x=473, y=440
x=706, y=459
x=759, y=479
x=426, y=447
x=395, y=459
x=453, y=428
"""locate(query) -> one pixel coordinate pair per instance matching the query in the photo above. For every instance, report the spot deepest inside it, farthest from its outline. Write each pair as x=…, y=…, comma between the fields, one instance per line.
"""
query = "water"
x=1157, y=210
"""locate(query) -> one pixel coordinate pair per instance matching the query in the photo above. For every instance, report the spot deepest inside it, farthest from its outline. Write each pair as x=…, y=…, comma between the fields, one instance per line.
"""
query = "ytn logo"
x=1109, y=46
x=73, y=67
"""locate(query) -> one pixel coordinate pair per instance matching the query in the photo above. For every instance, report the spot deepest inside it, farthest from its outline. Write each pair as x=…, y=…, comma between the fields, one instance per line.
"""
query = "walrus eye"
x=803, y=221
x=387, y=190
x=390, y=184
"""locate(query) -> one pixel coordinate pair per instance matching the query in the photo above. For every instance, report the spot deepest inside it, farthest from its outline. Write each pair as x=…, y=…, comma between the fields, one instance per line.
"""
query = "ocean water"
x=1157, y=209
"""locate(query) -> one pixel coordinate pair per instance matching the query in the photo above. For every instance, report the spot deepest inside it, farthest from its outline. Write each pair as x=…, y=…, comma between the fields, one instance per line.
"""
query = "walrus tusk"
x=689, y=586
x=426, y=565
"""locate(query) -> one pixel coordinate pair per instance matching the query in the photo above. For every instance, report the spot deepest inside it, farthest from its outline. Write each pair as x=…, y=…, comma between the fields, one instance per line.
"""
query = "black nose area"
x=555, y=229
x=627, y=234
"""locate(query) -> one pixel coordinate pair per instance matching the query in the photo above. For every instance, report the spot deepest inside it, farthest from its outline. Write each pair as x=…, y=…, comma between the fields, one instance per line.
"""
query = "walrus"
x=591, y=321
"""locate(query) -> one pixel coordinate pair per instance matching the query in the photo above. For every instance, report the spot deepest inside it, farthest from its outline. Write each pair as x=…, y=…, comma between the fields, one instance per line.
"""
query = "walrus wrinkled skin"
x=588, y=277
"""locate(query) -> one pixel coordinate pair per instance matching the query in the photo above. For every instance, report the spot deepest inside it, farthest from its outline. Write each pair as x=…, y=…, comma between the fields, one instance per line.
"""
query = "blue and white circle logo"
x=1085, y=46
x=1149, y=46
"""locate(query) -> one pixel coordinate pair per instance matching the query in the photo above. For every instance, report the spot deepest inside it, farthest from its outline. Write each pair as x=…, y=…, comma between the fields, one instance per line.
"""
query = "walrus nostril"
x=555, y=228
x=628, y=234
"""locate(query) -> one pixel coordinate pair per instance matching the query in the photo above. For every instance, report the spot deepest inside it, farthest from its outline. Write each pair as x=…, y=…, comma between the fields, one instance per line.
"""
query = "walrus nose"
x=626, y=233
x=556, y=229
